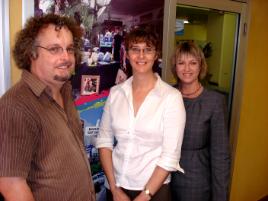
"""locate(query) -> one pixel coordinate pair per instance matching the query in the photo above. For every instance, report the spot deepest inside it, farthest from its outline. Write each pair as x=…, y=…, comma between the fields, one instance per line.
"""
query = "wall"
x=250, y=175
x=15, y=25
x=227, y=56
x=5, y=79
x=214, y=35
x=198, y=32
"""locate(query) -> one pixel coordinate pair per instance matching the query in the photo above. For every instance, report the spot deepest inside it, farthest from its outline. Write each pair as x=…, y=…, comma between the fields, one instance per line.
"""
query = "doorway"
x=216, y=33
x=233, y=80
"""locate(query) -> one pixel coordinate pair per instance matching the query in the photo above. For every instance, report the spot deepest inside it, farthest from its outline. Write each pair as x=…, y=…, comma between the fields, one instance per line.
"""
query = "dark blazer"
x=205, y=155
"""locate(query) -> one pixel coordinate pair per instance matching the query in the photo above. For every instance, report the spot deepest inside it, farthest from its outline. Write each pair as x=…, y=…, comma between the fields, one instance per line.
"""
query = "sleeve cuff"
x=170, y=165
x=104, y=142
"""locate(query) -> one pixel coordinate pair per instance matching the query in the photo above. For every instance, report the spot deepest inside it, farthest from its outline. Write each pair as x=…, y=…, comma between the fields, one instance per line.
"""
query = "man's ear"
x=34, y=55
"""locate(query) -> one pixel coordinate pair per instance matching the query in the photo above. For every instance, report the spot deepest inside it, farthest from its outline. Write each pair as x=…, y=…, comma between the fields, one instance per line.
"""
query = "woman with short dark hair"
x=146, y=118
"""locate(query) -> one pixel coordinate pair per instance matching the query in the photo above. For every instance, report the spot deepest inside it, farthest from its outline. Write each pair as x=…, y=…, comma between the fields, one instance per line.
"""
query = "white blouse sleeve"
x=174, y=118
x=105, y=137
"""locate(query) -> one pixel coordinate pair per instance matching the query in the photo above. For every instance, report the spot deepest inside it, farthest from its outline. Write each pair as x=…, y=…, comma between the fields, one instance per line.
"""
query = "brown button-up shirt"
x=42, y=142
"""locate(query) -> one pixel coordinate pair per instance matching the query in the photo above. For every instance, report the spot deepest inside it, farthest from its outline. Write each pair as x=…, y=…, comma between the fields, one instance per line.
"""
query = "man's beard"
x=62, y=78
x=66, y=77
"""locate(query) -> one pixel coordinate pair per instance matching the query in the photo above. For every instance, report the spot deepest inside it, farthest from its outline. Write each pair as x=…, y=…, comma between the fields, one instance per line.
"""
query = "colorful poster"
x=90, y=109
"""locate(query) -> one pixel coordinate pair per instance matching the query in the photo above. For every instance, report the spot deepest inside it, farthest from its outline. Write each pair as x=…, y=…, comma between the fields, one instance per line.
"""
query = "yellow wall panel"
x=214, y=35
x=250, y=176
x=227, y=54
x=15, y=16
x=198, y=32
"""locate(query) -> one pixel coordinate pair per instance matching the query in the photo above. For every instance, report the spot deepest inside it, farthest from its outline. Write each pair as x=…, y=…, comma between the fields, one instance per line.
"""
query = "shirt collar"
x=157, y=90
x=37, y=86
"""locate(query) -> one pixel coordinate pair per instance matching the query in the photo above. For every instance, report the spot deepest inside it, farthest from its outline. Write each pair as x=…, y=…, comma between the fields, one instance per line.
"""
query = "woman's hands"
x=142, y=197
x=119, y=194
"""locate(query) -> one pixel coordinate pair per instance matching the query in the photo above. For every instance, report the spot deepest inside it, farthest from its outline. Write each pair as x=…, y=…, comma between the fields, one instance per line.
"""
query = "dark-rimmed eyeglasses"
x=57, y=50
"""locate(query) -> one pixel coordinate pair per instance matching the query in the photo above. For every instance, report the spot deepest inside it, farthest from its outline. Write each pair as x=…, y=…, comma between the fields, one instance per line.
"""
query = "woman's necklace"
x=192, y=93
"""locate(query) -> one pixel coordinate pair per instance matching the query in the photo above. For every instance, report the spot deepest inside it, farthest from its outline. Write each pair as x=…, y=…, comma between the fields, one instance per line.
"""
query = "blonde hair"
x=190, y=48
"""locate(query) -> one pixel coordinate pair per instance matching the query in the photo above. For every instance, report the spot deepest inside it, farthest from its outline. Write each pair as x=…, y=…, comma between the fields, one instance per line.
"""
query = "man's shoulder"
x=18, y=94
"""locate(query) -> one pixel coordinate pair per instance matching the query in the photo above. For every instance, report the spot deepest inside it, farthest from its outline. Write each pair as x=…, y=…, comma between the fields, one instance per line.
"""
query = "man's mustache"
x=65, y=63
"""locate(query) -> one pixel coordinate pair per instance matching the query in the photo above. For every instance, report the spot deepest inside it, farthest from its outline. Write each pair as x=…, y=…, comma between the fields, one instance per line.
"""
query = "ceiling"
x=134, y=7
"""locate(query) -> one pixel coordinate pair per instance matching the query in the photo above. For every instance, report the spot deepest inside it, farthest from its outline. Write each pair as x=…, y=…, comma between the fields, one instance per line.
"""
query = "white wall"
x=4, y=47
x=27, y=10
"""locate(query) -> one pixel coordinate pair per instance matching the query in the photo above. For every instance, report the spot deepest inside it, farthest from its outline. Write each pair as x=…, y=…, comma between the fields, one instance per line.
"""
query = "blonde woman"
x=205, y=153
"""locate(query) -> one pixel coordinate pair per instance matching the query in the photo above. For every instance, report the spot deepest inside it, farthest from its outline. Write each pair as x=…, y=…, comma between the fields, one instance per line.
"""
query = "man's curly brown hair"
x=26, y=38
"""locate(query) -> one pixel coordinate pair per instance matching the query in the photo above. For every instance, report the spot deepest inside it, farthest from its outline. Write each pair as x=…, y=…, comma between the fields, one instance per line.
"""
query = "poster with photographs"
x=90, y=84
x=105, y=24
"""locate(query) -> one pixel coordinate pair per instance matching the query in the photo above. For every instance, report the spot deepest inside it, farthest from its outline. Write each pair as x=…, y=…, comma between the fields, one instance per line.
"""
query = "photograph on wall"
x=90, y=84
x=105, y=24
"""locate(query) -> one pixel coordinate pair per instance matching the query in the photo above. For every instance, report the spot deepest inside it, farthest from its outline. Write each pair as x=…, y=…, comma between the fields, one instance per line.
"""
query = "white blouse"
x=152, y=138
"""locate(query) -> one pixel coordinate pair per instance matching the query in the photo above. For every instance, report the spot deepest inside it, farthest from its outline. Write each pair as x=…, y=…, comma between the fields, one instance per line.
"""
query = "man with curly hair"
x=41, y=142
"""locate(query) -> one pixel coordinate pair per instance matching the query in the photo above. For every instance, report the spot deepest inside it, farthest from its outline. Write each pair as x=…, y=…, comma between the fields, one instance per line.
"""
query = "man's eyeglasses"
x=147, y=50
x=57, y=50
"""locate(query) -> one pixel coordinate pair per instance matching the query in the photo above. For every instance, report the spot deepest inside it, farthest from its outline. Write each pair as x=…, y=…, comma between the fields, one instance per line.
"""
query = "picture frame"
x=90, y=84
